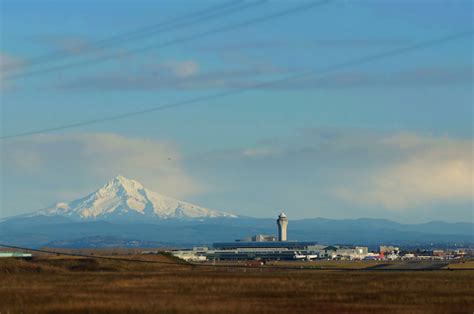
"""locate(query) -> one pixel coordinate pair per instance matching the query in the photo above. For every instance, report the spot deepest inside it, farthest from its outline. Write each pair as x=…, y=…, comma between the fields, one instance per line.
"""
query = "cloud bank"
x=11, y=64
x=350, y=173
x=328, y=172
x=188, y=75
x=432, y=170
x=52, y=168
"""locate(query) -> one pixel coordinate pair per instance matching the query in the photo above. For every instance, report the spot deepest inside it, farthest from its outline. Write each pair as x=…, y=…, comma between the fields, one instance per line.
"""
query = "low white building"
x=353, y=253
x=15, y=255
x=389, y=249
x=337, y=252
x=197, y=254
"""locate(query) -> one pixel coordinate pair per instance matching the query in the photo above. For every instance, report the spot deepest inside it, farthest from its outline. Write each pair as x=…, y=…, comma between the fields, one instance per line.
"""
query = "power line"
x=203, y=15
x=119, y=259
x=308, y=73
x=214, y=31
x=91, y=256
x=185, y=263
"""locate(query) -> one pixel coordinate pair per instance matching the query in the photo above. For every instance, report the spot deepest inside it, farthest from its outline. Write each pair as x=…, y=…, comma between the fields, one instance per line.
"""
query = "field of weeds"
x=78, y=285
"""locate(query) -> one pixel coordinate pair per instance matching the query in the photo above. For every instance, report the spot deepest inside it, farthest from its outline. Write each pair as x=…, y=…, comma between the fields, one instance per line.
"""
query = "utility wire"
x=203, y=15
x=185, y=263
x=90, y=256
x=304, y=74
x=214, y=31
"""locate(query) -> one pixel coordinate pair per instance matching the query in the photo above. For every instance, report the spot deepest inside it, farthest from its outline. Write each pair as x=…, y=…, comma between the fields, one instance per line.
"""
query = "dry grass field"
x=463, y=265
x=82, y=285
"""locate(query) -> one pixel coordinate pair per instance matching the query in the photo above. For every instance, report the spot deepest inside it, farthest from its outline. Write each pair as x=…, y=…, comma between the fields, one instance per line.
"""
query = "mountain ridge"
x=126, y=199
x=39, y=231
x=123, y=210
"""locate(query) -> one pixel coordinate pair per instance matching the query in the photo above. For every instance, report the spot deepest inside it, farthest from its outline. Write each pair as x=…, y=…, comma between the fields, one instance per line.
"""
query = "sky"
x=391, y=137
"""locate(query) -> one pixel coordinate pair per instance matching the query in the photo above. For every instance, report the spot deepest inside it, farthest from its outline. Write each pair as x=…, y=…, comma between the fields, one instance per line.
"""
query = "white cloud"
x=260, y=152
x=349, y=173
x=431, y=170
x=184, y=68
x=175, y=68
x=8, y=65
x=8, y=61
x=320, y=172
x=71, y=165
x=66, y=43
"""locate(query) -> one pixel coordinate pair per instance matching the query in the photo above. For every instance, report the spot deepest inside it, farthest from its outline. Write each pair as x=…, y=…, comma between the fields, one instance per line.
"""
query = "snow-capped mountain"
x=127, y=199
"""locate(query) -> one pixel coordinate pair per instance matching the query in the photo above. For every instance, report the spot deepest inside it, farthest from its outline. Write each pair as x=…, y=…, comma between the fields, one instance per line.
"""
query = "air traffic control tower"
x=282, y=222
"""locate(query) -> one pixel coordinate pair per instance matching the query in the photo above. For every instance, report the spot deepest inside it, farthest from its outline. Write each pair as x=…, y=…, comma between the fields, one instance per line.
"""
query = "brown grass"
x=74, y=285
x=461, y=265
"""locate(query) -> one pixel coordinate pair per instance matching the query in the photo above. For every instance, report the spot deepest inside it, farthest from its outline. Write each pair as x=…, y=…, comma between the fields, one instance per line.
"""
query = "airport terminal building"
x=269, y=247
x=275, y=250
x=259, y=246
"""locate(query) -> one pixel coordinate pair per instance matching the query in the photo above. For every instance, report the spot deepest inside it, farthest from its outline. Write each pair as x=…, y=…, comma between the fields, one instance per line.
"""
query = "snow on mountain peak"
x=128, y=199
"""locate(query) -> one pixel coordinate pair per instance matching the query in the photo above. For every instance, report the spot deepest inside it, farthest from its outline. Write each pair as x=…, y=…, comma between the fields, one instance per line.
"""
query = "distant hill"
x=39, y=231
x=105, y=242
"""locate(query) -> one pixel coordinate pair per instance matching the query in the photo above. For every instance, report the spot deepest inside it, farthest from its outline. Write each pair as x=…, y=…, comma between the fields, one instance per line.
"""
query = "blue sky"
x=390, y=138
